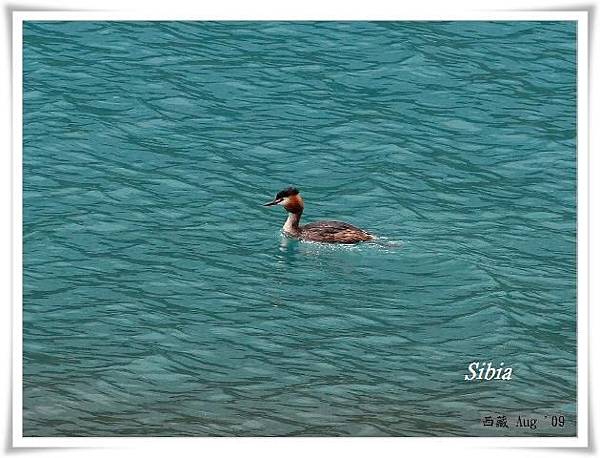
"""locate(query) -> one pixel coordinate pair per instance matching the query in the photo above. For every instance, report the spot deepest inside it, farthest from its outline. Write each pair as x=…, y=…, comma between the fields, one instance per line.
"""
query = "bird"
x=319, y=231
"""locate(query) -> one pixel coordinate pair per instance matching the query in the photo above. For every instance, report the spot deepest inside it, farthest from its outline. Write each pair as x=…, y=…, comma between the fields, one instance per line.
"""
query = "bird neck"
x=292, y=223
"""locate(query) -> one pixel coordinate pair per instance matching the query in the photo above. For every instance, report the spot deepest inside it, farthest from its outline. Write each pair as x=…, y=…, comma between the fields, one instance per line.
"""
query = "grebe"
x=319, y=231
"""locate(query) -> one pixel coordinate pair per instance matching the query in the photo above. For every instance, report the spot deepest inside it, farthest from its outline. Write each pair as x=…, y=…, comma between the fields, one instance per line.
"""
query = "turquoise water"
x=160, y=297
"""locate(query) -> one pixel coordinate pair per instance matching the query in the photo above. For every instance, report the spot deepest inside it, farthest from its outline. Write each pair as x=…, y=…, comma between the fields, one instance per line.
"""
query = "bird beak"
x=273, y=202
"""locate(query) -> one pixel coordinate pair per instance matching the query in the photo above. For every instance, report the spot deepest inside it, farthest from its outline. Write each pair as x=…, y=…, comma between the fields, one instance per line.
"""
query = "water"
x=160, y=297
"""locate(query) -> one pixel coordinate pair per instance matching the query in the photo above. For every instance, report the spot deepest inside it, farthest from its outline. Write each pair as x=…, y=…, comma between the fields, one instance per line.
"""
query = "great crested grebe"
x=319, y=231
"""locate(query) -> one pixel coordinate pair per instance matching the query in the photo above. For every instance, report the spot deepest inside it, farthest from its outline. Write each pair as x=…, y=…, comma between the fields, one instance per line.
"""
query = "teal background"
x=160, y=297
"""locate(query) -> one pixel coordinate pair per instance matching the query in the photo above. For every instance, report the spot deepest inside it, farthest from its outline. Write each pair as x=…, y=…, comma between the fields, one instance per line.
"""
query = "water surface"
x=159, y=295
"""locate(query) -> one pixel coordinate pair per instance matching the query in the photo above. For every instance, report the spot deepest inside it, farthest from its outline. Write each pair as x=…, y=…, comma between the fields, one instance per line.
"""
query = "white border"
x=17, y=230
x=583, y=326
x=361, y=445
x=249, y=13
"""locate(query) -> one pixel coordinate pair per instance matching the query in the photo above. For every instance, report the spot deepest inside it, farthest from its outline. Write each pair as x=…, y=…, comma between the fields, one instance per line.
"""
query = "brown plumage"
x=319, y=231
